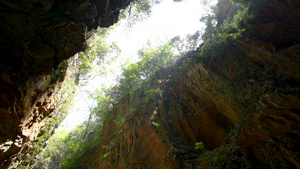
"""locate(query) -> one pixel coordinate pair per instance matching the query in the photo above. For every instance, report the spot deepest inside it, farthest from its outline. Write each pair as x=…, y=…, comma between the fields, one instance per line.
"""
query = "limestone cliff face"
x=246, y=99
x=37, y=35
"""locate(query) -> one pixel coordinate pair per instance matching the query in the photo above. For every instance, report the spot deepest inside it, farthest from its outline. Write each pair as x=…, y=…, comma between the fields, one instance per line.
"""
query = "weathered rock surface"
x=246, y=99
x=224, y=7
x=36, y=35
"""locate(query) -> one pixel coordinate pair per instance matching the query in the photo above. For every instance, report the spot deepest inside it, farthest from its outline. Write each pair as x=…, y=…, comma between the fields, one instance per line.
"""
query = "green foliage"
x=136, y=77
x=186, y=63
x=155, y=124
x=62, y=149
x=97, y=56
x=104, y=101
x=120, y=120
x=217, y=158
x=209, y=29
x=218, y=40
x=251, y=4
x=200, y=146
x=148, y=96
x=66, y=98
x=134, y=83
x=65, y=95
x=106, y=154
x=137, y=11
x=186, y=44
x=65, y=149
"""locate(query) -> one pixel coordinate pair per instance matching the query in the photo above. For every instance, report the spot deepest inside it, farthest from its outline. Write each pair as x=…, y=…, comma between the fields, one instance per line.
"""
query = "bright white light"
x=168, y=19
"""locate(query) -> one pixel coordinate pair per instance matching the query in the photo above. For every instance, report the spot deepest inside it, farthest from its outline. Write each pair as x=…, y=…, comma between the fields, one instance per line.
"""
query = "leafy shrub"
x=217, y=158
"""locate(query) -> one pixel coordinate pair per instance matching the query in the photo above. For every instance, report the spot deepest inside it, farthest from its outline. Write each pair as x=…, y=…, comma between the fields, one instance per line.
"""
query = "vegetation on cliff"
x=134, y=83
x=77, y=71
x=139, y=106
x=134, y=88
x=219, y=41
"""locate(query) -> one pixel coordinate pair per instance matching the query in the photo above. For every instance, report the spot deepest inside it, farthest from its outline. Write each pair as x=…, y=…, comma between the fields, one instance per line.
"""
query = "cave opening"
x=149, y=84
x=149, y=35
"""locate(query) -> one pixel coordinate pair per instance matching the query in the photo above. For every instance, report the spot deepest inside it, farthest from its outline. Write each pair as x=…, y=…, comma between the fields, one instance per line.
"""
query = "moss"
x=221, y=157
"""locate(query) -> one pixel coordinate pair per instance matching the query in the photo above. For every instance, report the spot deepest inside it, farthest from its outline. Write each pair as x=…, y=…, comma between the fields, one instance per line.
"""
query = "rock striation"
x=36, y=36
x=245, y=99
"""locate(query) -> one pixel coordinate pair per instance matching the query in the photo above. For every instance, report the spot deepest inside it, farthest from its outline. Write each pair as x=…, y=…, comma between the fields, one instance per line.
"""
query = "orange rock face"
x=246, y=99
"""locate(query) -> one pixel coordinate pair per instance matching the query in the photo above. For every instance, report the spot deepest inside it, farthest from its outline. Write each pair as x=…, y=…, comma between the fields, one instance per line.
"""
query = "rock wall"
x=246, y=99
x=36, y=36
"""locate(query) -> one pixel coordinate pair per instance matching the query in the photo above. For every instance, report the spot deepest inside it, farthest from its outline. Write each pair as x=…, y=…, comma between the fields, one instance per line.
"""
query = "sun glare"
x=167, y=20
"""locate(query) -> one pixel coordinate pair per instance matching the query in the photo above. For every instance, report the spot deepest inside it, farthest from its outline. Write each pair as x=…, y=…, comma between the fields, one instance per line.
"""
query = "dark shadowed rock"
x=37, y=35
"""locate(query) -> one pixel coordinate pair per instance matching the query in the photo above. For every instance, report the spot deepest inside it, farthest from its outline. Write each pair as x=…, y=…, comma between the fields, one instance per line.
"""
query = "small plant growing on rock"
x=155, y=124
x=106, y=154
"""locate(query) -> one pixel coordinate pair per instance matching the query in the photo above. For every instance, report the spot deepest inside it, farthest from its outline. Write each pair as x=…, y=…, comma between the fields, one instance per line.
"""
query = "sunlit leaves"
x=94, y=55
x=137, y=11
x=188, y=43
x=62, y=149
x=137, y=76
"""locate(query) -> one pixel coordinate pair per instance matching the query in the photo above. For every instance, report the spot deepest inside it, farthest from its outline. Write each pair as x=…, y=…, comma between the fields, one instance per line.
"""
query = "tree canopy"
x=66, y=148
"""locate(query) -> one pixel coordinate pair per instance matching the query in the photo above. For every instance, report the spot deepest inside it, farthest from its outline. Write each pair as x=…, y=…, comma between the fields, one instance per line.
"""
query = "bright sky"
x=167, y=20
